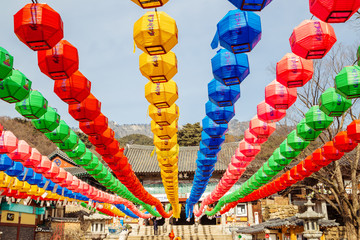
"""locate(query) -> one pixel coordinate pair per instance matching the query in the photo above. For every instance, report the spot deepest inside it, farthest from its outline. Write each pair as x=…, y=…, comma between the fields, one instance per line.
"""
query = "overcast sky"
x=102, y=32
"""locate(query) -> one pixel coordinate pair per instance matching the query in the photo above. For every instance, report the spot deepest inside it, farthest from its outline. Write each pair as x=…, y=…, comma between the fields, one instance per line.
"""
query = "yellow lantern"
x=168, y=161
x=165, y=145
x=25, y=187
x=164, y=116
x=150, y=3
x=33, y=190
x=164, y=132
x=161, y=95
x=155, y=33
x=169, y=168
x=176, y=210
x=40, y=192
x=4, y=180
x=169, y=176
x=168, y=154
x=158, y=68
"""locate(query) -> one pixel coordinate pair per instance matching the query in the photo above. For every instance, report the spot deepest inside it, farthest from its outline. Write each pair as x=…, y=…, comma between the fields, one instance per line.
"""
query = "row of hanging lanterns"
x=156, y=33
x=35, y=26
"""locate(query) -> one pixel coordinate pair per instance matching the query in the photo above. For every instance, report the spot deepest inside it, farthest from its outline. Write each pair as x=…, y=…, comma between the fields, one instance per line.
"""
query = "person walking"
x=155, y=226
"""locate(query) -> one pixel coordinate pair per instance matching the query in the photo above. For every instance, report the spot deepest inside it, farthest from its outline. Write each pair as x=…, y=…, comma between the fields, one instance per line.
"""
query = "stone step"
x=183, y=237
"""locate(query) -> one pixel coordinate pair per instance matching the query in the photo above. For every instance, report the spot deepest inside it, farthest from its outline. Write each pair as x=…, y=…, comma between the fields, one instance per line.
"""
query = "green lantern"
x=296, y=142
x=101, y=175
x=32, y=107
x=306, y=132
x=78, y=152
x=60, y=134
x=254, y=182
x=333, y=104
x=15, y=88
x=267, y=170
x=287, y=151
x=347, y=82
x=48, y=122
x=274, y=165
x=261, y=177
x=280, y=159
x=71, y=143
x=106, y=181
x=317, y=119
x=97, y=169
x=6, y=63
x=86, y=159
x=92, y=164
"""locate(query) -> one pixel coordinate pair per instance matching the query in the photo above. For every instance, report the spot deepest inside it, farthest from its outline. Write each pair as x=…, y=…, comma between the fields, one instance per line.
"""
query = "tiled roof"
x=142, y=162
x=62, y=155
x=97, y=216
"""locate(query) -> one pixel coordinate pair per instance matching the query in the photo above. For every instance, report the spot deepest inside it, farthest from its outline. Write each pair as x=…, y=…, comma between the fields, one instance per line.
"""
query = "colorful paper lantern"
x=294, y=71
x=88, y=110
x=248, y=150
x=319, y=159
x=210, y=153
x=228, y=68
x=288, y=151
x=317, y=119
x=334, y=11
x=238, y=31
x=252, y=139
x=343, y=142
x=69, y=144
x=150, y=4
x=47, y=122
x=155, y=33
x=333, y=104
x=86, y=158
x=309, y=165
x=60, y=62
x=306, y=132
x=213, y=129
x=164, y=132
x=261, y=129
x=15, y=88
x=312, y=39
x=15, y=170
x=295, y=174
x=38, y=26
x=103, y=139
x=268, y=114
x=347, y=82
x=74, y=89
x=60, y=134
x=223, y=95
x=27, y=174
x=211, y=142
x=21, y=153
x=250, y=5
x=278, y=96
x=77, y=152
x=296, y=142
x=5, y=162
x=353, y=130
x=53, y=171
x=220, y=115
x=110, y=149
x=164, y=116
x=270, y=171
x=330, y=152
x=302, y=170
x=6, y=63
x=32, y=107
x=8, y=142
x=158, y=68
x=34, y=159
x=161, y=95
x=97, y=126
x=279, y=158
x=244, y=161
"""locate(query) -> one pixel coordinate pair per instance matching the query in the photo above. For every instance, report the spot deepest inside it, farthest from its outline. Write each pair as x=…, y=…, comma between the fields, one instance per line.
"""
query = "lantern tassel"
x=153, y=152
x=215, y=41
x=134, y=47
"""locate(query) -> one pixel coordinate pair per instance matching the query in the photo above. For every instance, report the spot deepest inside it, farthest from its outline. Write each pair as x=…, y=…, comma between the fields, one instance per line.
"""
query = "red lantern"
x=288, y=180
x=34, y=159
x=250, y=138
x=114, y=159
x=60, y=178
x=1, y=129
x=67, y=181
x=268, y=114
x=261, y=129
x=38, y=26
x=334, y=11
x=353, y=131
x=103, y=139
x=235, y=171
x=278, y=96
x=44, y=165
x=319, y=159
x=240, y=160
x=98, y=126
x=74, y=185
x=59, y=62
x=279, y=184
x=310, y=165
x=86, y=111
x=295, y=174
x=343, y=142
x=74, y=89
x=110, y=149
x=53, y=171
x=249, y=150
x=294, y=71
x=330, y=152
x=312, y=39
x=21, y=153
x=302, y=170
x=8, y=142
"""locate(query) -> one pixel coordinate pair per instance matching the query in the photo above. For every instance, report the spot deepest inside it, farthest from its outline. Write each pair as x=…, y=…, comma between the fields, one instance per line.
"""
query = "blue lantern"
x=238, y=31
x=50, y=186
x=15, y=170
x=228, y=68
x=204, y=160
x=223, y=95
x=213, y=129
x=59, y=190
x=209, y=153
x=36, y=179
x=43, y=181
x=29, y=174
x=211, y=143
x=220, y=115
x=5, y=162
x=250, y=5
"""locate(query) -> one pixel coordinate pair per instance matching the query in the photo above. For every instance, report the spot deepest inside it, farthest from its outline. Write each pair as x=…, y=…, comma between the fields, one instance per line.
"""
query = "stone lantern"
x=311, y=225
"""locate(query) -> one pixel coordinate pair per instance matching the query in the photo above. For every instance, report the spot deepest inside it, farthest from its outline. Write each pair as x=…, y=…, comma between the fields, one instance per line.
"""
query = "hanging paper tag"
x=48, y=204
x=55, y=188
x=42, y=203
x=26, y=172
x=46, y=185
x=44, y=195
x=112, y=207
x=65, y=202
x=63, y=192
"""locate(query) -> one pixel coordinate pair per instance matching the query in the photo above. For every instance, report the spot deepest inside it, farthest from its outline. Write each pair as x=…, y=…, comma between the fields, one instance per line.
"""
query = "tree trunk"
x=351, y=232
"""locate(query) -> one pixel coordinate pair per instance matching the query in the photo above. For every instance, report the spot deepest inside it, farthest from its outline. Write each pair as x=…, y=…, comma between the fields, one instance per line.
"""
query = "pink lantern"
x=261, y=129
x=53, y=171
x=250, y=138
x=60, y=178
x=34, y=159
x=21, y=153
x=268, y=114
x=44, y=165
x=249, y=150
x=8, y=142
x=243, y=161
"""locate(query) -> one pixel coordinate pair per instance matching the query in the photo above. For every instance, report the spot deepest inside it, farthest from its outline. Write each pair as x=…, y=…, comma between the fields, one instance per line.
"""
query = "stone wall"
x=43, y=236
x=335, y=233
x=278, y=208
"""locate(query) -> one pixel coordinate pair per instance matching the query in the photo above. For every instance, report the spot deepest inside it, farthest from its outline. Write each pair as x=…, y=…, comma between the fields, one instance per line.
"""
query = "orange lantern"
x=103, y=139
x=87, y=110
x=98, y=126
x=353, y=130
x=343, y=142
x=330, y=152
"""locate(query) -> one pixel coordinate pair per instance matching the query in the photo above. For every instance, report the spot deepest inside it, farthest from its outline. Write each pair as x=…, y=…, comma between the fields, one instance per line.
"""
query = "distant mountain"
x=236, y=128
